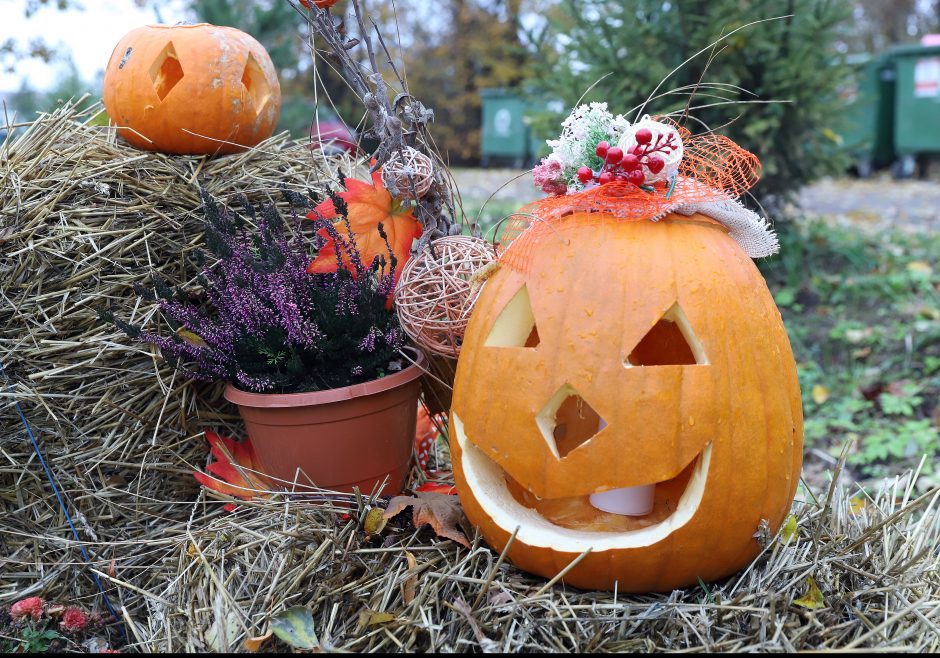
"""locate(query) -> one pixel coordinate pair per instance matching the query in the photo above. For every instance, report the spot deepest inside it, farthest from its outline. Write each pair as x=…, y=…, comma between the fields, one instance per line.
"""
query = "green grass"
x=863, y=315
x=488, y=216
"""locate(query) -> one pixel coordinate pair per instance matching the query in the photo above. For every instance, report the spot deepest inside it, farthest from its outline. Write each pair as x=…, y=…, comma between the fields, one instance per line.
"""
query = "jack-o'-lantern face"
x=627, y=355
x=201, y=89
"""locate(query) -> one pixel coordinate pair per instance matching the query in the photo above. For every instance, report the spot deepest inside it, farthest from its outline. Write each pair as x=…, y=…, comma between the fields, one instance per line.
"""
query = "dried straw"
x=83, y=217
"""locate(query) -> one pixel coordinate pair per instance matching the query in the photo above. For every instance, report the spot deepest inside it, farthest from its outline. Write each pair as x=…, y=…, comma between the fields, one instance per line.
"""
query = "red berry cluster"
x=628, y=167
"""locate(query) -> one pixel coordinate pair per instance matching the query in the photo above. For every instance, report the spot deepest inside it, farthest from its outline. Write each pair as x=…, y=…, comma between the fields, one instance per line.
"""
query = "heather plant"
x=266, y=324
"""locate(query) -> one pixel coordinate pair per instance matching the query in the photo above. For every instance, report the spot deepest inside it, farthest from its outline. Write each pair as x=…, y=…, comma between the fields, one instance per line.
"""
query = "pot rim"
x=371, y=387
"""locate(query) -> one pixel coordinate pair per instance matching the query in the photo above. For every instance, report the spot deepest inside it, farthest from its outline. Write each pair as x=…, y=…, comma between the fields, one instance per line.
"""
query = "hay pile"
x=82, y=218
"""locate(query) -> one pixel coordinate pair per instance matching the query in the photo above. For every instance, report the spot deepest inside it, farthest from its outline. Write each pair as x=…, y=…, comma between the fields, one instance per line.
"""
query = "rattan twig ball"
x=437, y=290
x=407, y=167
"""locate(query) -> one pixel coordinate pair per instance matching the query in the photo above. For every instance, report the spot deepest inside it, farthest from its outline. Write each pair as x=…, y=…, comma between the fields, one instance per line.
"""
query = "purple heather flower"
x=266, y=319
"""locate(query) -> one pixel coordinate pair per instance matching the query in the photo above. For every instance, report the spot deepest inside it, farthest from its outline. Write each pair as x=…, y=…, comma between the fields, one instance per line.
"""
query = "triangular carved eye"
x=671, y=342
x=515, y=326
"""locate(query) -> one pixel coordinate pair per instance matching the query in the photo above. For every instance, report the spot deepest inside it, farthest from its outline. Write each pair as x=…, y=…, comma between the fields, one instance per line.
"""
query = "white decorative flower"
x=658, y=146
x=618, y=128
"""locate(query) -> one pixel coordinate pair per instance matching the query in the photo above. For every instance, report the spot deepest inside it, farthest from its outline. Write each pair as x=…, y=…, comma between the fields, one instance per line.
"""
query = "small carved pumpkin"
x=198, y=89
x=628, y=354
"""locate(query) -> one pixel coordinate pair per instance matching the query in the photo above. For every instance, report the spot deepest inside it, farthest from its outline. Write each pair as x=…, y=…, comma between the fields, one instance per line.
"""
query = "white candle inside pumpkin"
x=628, y=501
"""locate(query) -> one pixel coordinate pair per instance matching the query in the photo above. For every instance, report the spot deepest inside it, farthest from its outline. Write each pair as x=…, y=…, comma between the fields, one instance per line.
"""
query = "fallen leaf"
x=820, y=393
x=919, y=267
x=191, y=337
x=371, y=618
x=855, y=336
x=234, y=471
x=899, y=388
x=929, y=313
x=253, y=644
x=410, y=585
x=813, y=599
x=221, y=635
x=856, y=505
x=501, y=598
x=375, y=521
x=295, y=627
x=437, y=487
x=441, y=511
x=790, y=529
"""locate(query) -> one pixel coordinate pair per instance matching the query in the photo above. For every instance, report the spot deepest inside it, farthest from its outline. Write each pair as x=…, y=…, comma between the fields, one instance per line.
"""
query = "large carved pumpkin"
x=628, y=353
x=170, y=88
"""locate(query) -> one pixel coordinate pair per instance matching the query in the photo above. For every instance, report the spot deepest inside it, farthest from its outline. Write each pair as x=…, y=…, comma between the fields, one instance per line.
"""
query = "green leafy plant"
x=892, y=440
x=862, y=310
x=34, y=640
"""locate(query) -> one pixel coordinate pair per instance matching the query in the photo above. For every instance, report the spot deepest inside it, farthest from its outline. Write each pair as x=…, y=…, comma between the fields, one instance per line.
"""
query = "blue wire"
x=62, y=504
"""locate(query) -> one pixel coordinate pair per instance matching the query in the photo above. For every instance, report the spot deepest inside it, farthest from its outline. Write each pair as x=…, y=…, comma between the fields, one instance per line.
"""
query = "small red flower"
x=30, y=607
x=74, y=620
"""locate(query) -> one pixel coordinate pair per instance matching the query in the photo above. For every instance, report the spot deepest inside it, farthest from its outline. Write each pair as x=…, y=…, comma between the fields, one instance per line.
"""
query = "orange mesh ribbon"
x=713, y=169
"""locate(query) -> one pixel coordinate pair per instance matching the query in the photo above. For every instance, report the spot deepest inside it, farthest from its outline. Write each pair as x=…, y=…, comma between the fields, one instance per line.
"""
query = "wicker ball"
x=406, y=167
x=436, y=292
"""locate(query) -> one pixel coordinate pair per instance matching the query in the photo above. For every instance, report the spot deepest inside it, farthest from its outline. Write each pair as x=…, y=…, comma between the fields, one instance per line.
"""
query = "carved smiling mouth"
x=573, y=524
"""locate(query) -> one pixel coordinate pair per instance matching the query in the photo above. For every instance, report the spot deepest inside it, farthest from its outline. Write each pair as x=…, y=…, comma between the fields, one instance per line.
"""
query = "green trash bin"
x=916, y=104
x=868, y=130
x=505, y=131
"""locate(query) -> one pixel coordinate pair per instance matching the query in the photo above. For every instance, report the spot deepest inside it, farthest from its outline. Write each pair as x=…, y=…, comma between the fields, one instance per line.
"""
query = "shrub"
x=636, y=44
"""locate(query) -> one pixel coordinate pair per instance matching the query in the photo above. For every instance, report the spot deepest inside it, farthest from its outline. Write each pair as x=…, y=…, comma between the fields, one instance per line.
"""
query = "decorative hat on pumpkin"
x=604, y=165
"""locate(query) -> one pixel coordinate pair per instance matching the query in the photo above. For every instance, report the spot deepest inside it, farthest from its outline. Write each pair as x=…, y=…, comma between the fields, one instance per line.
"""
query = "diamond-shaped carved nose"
x=256, y=83
x=568, y=421
x=166, y=71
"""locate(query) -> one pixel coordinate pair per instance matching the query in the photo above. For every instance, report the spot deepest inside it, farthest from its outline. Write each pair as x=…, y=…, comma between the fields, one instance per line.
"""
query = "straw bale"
x=82, y=217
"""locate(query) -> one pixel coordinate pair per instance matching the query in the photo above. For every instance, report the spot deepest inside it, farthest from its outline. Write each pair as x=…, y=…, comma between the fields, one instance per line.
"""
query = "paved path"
x=877, y=203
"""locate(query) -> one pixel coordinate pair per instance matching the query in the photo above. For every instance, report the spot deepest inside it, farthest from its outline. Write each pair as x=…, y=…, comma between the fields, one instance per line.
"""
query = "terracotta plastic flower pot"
x=341, y=438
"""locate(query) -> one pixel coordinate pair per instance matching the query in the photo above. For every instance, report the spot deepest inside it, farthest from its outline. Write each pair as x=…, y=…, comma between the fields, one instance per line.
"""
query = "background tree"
x=470, y=45
x=879, y=24
x=304, y=83
x=627, y=47
x=447, y=52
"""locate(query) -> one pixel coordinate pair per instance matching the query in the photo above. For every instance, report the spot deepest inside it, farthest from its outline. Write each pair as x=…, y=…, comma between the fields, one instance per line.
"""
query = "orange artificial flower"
x=322, y=4
x=226, y=477
x=368, y=206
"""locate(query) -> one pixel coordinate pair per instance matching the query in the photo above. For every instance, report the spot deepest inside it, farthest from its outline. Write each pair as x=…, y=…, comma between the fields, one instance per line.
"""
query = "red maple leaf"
x=235, y=469
x=368, y=205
